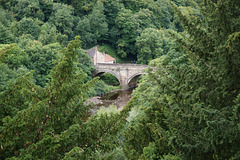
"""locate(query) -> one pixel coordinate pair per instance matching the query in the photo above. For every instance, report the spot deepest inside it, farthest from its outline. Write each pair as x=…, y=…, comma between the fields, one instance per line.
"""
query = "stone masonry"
x=125, y=73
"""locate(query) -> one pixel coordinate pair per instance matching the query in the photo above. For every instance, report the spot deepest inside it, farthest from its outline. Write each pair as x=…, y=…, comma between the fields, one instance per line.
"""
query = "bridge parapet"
x=122, y=65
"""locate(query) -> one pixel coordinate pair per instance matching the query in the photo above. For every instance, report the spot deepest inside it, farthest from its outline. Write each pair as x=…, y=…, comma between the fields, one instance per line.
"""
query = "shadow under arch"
x=132, y=81
x=102, y=72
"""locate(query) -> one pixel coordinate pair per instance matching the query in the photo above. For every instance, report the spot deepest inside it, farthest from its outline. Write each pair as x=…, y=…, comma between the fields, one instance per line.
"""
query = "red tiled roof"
x=109, y=58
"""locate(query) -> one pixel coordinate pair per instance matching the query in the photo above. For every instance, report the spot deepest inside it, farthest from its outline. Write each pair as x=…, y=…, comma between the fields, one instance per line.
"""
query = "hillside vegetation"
x=188, y=108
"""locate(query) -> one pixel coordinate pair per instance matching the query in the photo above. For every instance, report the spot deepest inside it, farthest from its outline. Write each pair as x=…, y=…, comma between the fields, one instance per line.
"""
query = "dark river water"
x=118, y=98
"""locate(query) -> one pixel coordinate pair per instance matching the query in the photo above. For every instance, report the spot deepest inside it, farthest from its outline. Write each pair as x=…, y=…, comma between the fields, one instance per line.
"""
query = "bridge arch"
x=133, y=79
x=102, y=72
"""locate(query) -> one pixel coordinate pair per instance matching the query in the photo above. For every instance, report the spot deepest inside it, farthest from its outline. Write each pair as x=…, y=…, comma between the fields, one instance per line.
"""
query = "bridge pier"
x=125, y=87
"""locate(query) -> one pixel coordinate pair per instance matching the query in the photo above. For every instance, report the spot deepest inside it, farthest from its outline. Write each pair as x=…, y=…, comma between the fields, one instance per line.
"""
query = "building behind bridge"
x=99, y=57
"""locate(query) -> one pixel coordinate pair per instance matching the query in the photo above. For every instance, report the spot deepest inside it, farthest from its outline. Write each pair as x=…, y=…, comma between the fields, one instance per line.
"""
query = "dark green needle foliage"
x=46, y=123
x=191, y=110
x=186, y=108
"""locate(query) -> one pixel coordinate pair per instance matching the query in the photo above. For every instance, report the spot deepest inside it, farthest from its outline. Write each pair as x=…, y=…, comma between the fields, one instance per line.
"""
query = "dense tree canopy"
x=94, y=27
x=115, y=22
x=44, y=121
x=190, y=111
x=186, y=107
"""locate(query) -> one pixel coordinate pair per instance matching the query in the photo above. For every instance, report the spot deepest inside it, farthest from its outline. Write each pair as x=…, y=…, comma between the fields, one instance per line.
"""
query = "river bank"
x=118, y=98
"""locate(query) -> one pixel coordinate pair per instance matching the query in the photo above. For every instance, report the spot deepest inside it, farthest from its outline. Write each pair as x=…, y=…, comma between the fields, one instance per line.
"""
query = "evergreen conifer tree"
x=47, y=123
x=193, y=110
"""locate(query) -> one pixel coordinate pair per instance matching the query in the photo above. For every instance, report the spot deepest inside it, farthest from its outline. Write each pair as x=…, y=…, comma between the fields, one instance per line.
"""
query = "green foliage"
x=26, y=8
x=150, y=45
x=44, y=125
x=187, y=108
x=111, y=9
x=47, y=8
x=115, y=22
x=83, y=7
x=84, y=63
x=190, y=102
x=6, y=36
x=100, y=88
x=130, y=26
x=3, y=3
x=49, y=34
x=139, y=132
x=62, y=17
x=41, y=59
x=9, y=76
x=6, y=17
x=127, y=27
x=110, y=79
x=110, y=110
x=110, y=50
x=133, y=5
x=93, y=27
x=13, y=97
x=116, y=154
x=25, y=26
x=13, y=56
x=168, y=13
x=150, y=152
x=171, y=157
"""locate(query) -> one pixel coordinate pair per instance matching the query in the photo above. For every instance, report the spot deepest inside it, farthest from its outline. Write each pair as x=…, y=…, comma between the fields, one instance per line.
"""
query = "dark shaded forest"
x=188, y=108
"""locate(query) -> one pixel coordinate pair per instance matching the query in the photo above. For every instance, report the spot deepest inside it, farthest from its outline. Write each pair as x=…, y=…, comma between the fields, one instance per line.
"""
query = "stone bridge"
x=126, y=74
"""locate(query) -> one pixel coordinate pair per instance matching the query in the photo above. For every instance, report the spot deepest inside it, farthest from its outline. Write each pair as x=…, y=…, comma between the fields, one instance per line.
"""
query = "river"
x=118, y=98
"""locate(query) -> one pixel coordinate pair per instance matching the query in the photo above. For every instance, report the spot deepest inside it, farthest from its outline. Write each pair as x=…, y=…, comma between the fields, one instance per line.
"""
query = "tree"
x=25, y=26
x=49, y=34
x=3, y=3
x=8, y=76
x=94, y=27
x=133, y=5
x=41, y=58
x=47, y=8
x=62, y=17
x=111, y=9
x=191, y=110
x=128, y=27
x=150, y=45
x=26, y=8
x=131, y=26
x=83, y=7
x=84, y=63
x=146, y=134
x=6, y=36
x=48, y=123
x=13, y=56
x=6, y=17
x=168, y=13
